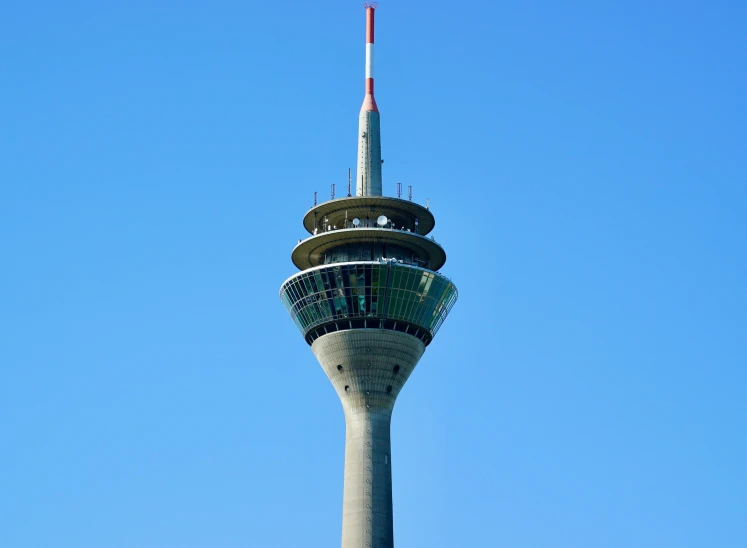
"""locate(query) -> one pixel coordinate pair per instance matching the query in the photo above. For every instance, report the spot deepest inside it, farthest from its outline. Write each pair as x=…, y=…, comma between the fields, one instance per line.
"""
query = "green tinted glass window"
x=390, y=291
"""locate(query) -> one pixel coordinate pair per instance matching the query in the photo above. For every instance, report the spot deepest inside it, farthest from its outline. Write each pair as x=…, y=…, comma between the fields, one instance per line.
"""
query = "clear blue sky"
x=586, y=163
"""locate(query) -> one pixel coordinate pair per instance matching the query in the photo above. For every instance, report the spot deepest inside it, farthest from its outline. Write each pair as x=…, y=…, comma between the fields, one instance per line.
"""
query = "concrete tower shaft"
x=368, y=179
x=368, y=368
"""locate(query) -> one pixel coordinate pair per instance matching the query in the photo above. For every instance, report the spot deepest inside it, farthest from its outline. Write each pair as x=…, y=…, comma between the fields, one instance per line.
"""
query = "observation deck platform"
x=365, y=295
x=340, y=212
x=312, y=251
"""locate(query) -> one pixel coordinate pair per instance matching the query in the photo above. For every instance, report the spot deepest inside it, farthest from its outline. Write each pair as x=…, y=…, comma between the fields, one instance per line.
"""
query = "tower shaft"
x=368, y=369
x=367, y=514
x=369, y=154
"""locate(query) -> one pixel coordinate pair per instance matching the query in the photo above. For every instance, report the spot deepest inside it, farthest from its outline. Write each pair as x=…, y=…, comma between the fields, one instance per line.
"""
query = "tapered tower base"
x=368, y=368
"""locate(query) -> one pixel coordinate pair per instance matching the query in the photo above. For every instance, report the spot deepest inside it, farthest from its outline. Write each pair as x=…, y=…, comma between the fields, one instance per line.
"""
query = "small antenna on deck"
x=348, y=182
x=333, y=191
x=399, y=190
x=315, y=198
x=409, y=192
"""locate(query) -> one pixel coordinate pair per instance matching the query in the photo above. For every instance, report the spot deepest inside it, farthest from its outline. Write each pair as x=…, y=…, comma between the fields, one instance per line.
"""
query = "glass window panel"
x=311, y=283
x=309, y=310
x=329, y=304
x=396, y=276
x=332, y=280
x=405, y=276
x=411, y=297
x=413, y=280
x=428, y=310
x=321, y=313
x=404, y=303
x=301, y=318
x=325, y=306
x=422, y=281
x=417, y=311
x=318, y=313
x=352, y=281
x=320, y=285
x=401, y=305
x=428, y=282
x=304, y=316
x=395, y=306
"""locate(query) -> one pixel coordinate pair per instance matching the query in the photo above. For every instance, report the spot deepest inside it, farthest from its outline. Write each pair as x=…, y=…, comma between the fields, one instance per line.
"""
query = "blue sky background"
x=586, y=165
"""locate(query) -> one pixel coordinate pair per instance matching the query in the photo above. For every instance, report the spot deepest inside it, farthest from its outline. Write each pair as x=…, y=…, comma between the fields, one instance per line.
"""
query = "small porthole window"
x=339, y=368
x=347, y=388
x=396, y=369
x=389, y=389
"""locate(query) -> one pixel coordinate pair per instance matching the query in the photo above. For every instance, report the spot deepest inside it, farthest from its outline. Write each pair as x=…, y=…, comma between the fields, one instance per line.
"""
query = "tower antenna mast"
x=368, y=178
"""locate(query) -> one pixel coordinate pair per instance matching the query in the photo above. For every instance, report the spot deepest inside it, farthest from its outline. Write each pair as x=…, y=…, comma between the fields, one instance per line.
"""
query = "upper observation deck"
x=340, y=213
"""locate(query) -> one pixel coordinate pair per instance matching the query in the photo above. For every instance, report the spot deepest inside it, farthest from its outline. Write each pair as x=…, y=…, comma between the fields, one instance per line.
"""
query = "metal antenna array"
x=348, y=182
x=399, y=190
x=409, y=192
x=333, y=191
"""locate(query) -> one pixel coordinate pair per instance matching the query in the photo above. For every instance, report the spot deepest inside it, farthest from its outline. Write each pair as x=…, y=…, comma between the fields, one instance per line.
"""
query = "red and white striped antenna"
x=368, y=178
x=370, y=10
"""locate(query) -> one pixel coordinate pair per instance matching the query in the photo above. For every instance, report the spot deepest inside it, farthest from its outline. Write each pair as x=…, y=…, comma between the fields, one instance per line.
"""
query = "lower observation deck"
x=356, y=295
x=310, y=252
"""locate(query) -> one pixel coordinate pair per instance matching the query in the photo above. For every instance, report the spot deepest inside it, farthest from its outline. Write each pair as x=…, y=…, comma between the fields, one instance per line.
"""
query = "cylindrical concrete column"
x=368, y=180
x=367, y=504
x=368, y=368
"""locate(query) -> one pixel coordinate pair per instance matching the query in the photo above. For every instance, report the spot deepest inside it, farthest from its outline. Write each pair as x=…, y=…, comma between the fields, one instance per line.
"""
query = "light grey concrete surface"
x=368, y=368
x=368, y=180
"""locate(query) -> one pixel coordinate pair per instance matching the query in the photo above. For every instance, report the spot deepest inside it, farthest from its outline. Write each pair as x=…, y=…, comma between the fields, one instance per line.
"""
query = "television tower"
x=369, y=300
